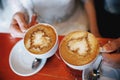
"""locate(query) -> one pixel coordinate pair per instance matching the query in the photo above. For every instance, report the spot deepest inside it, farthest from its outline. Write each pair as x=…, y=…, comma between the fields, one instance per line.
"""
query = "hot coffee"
x=40, y=39
x=79, y=48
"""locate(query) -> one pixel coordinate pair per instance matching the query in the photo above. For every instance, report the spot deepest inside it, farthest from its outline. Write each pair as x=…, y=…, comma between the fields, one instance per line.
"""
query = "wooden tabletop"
x=54, y=69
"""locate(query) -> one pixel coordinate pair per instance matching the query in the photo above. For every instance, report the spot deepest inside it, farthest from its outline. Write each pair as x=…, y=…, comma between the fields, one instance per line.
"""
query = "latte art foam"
x=40, y=39
x=79, y=46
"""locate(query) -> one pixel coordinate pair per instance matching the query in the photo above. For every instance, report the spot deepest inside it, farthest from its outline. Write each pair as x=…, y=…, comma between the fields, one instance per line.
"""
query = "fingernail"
x=102, y=49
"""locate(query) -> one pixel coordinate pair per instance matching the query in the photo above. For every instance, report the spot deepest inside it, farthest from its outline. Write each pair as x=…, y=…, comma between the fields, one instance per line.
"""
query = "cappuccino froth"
x=79, y=45
x=40, y=39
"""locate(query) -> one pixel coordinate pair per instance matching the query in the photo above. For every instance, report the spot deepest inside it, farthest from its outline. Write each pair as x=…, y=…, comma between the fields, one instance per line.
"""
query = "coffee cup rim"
x=77, y=67
x=52, y=50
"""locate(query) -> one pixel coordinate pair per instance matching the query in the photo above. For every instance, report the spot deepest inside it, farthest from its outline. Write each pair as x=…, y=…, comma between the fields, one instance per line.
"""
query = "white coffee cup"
x=80, y=67
x=38, y=38
x=79, y=49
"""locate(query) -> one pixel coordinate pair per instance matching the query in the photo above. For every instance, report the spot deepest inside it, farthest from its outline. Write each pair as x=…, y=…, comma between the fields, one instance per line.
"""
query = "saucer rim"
x=20, y=74
x=83, y=73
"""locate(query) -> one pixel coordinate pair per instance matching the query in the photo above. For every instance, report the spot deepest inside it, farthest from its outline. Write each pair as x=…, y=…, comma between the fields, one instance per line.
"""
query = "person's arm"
x=19, y=18
x=90, y=10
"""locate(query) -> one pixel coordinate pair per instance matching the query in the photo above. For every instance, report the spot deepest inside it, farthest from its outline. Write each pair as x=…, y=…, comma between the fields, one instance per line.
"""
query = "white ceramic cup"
x=66, y=55
x=80, y=67
x=49, y=53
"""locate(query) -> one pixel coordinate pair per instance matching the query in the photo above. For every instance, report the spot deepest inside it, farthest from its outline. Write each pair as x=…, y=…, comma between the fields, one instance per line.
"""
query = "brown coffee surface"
x=40, y=39
x=79, y=48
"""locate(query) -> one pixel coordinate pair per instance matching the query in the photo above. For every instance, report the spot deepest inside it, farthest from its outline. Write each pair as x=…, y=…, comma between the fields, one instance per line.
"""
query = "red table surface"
x=54, y=69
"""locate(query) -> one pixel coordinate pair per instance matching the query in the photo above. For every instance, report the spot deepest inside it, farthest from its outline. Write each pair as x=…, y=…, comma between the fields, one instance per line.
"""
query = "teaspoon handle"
x=36, y=63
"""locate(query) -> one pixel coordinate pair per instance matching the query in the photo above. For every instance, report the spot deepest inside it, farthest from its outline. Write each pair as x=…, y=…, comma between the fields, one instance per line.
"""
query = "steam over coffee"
x=79, y=48
x=40, y=39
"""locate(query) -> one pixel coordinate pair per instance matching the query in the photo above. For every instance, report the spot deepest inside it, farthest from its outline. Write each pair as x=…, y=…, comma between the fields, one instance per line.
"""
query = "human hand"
x=97, y=35
x=19, y=25
x=111, y=53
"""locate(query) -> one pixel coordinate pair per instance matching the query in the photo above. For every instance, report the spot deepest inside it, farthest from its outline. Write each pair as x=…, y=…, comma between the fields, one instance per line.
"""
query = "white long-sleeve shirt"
x=63, y=14
x=49, y=11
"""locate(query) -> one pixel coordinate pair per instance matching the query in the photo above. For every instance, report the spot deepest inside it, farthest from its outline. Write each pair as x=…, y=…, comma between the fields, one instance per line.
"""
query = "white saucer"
x=107, y=72
x=87, y=70
x=21, y=62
